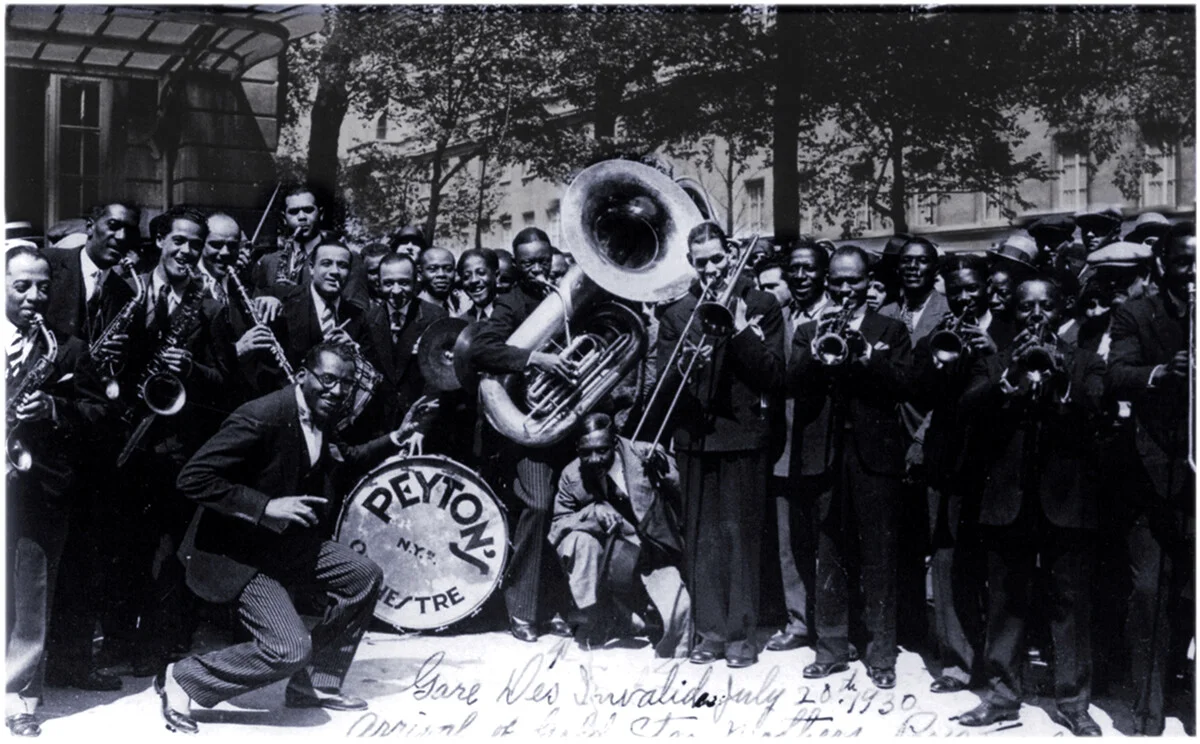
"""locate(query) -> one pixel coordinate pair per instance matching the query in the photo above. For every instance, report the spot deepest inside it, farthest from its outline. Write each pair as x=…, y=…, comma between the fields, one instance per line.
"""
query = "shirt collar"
x=985, y=320
x=814, y=310
x=616, y=471
x=320, y=302
x=88, y=266
x=158, y=279
x=304, y=412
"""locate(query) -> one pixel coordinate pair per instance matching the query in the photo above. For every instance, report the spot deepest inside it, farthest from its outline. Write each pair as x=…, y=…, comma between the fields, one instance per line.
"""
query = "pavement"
x=485, y=685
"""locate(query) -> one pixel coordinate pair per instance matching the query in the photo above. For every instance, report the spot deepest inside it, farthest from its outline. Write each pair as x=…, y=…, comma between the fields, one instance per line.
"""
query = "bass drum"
x=438, y=532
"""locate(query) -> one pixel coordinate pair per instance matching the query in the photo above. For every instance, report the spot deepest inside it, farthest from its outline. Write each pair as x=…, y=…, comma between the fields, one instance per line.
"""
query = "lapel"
x=293, y=450
x=872, y=327
x=303, y=326
x=636, y=485
x=1167, y=331
x=379, y=327
x=935, y=310
x=72, y=286
x=402, y=348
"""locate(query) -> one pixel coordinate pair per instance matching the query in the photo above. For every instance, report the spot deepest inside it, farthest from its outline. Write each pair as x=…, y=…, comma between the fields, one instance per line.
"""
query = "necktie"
x=394, y=319
x=16, y=349
x=92, y=304
x=906, y=315
x=328, y=320
x=620, y=502
x=158, y=312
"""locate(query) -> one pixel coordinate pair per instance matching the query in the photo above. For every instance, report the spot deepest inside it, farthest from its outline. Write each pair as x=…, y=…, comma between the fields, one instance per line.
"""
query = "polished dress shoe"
x=946, y=683
x=559, y=627
x=326, y=700
x=739, y=661
x=522, y=630
x=23, y=724
x=786, y=642
x=706, y=653
x=985, y=714
x=1078, y=721
x=94, y=680
x=819, y=669
x=883, y=677
x=176, y=720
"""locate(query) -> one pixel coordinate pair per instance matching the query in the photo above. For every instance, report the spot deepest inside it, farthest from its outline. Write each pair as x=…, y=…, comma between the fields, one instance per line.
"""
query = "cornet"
x=1037, y=363
x=947, y=343
x=836, y=342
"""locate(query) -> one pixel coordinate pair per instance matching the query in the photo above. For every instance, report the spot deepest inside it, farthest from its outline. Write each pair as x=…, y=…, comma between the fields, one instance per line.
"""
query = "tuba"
x=19, y=457
x=626, y=224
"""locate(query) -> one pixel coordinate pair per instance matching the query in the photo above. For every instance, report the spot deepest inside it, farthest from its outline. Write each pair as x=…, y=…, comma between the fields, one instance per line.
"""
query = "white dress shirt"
x=312, y=435
x=93, y=275
x=158, y=280
x=326, y=313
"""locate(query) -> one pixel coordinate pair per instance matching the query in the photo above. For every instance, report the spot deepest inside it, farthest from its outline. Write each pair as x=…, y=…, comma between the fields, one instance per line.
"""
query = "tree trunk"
x=785, y=202
x=729, y=179
x=331, y=103
x=897, y=195
x=483, y=164
x=608, y=101
x=435, y=192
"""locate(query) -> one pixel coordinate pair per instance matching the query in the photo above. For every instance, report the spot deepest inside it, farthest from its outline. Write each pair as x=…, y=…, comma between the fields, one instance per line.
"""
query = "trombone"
x=716, y=323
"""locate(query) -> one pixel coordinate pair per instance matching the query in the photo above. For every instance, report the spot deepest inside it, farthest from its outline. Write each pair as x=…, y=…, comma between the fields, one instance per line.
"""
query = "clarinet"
x=276, y=348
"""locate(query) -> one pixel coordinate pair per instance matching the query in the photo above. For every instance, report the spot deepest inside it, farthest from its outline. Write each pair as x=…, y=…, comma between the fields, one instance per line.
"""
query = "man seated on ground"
x=614, y=519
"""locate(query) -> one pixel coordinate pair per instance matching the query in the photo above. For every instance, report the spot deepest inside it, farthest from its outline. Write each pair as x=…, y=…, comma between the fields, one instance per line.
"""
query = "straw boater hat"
x=1148, y=225
x=1017, y=247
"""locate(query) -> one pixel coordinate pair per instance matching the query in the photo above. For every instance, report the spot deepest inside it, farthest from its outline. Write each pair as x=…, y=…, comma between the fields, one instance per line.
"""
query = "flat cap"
x=1120, y=253
x=1058, y=227
x=1148, y=225
x=1099, y=220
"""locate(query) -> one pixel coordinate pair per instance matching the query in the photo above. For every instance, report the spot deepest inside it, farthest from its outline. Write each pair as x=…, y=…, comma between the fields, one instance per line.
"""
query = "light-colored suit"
x=578, y=537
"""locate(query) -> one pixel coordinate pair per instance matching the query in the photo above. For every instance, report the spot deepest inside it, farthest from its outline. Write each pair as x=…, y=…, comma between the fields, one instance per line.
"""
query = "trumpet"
x=1037, y=362
x=106, y=362
x=836, y=342
x=947, y=342
x=19, y=457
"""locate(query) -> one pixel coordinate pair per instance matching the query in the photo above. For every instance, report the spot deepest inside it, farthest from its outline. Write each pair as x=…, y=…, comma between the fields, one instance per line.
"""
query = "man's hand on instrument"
x=607, y=516
x=979, y=342
x=553, y=363
x=267, y=308
x=657, y=466
x=178, y=360
x=244, y=254
x=339, y=336
x=285, y=510
x=39, y=407
x=741, y=322
x=258, y=337
x=115, y=345
x=1179, y=366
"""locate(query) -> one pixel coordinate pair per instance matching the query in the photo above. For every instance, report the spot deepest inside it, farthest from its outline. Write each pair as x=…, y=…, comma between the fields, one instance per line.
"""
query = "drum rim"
x=504, y=565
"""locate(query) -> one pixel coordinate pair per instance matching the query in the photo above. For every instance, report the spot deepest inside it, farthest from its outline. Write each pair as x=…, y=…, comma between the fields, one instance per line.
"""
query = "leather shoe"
x=327, y=700
x=522, y=630
x=819, y=669
x=559, y=627
x=23, y=724
x=985, y=714
x=883, y=677
x=94, y=680
x=740, y=662
x=786, y=642
x=1078, y=721
x=706, y=653
x=176, y=720
x=945, y=683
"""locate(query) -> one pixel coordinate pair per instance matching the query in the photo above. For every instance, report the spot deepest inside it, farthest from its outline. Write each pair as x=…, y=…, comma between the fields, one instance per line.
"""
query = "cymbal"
x=436, y=353
x=467, y=376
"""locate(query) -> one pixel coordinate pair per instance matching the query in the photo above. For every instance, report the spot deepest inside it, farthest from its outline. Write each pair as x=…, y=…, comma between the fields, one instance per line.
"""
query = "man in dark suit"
x=1149, y=366
x=847, y=448
x=436, y=268
x=88, y=294
x=267, y=487
x=394, y=328
x=721, y=429
x=49, y=426
x=535, y=469
x=1034, y=406
x=290, y=264
x=941, y=371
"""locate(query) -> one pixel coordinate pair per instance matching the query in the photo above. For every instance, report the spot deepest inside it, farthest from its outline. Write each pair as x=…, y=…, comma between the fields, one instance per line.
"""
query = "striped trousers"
x=282, y=646
x=536, y=585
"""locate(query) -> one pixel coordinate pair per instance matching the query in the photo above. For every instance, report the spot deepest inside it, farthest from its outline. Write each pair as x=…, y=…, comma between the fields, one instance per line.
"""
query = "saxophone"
x=291, y=263
x=161, y=389
x=106, y=363
x=19, y=457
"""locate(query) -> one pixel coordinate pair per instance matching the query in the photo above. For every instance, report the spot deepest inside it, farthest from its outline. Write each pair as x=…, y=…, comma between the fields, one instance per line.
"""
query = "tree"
x=1115, y=82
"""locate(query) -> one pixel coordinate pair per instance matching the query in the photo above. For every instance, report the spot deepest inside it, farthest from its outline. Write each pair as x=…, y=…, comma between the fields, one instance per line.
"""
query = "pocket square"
x=881, y=346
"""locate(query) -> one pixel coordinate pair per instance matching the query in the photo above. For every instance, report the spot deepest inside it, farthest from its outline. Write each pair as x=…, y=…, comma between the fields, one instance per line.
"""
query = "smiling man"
x=265, y=490
x=436, y=268
x=477, y=271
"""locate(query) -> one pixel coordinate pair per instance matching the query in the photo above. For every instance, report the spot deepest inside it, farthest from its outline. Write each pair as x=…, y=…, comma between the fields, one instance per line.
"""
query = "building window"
x=756, y=204
x=76, y=148
x=527, y=218
x=990, y=209
x=872, y=219
x=506, y=229
x=1073, y=174
x=381, y=126
x=923, y=208
x=1158, y=189
x=807, y=212
x=553, y=223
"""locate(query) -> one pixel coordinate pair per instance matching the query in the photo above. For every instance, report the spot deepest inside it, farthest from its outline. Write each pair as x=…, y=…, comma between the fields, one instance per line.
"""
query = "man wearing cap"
x=1149, y=365
x=410, y=241
x=1099, y=227
x=1051, y=233
x=1150, y=226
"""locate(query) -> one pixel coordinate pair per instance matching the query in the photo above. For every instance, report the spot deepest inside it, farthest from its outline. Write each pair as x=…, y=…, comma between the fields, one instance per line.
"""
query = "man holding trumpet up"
x=849, y=369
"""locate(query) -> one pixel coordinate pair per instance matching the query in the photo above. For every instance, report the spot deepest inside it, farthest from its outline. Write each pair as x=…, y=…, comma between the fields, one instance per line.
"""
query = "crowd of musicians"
x=186, y=413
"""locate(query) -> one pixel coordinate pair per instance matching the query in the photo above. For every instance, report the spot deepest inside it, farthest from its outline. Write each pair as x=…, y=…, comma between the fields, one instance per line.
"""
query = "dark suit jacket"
x=258, y=454
x=721, y=409
x=490, y=351
x=1055, y=472
x=299, y=329
x=402, y=382
x=871, y=394
x=80, y=406
x=67, y=313
x=935, y=313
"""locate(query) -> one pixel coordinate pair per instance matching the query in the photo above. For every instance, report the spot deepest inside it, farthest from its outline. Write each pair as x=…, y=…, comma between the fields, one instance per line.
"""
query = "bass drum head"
x=438, y=532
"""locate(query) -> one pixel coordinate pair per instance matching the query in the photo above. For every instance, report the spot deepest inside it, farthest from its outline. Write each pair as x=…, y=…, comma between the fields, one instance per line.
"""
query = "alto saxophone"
x=106, y=362
x=19, y=457
x=291, y=263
